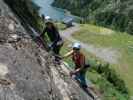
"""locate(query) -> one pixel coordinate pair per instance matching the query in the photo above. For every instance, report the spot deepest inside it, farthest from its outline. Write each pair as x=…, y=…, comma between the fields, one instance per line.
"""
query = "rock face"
x=28, y=72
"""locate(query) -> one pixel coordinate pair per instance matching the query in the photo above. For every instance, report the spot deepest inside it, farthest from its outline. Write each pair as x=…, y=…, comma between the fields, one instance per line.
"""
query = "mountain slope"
x=116, y=14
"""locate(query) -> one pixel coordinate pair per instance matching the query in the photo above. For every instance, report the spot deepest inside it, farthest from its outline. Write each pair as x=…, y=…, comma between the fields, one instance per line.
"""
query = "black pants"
x=57, y=49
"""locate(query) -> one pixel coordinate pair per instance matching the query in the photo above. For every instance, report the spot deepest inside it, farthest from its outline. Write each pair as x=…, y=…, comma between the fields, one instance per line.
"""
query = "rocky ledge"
x=28, y=72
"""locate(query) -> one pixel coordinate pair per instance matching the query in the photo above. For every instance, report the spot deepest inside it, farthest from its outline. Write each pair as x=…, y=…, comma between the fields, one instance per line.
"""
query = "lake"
x=53, y=12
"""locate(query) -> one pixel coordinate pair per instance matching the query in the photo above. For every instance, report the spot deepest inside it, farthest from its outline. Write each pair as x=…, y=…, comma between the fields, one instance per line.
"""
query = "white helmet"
x=47, y=18
x=76, y=46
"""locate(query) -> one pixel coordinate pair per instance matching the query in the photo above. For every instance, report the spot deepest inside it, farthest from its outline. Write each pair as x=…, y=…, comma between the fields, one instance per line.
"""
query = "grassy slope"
x=102, y=37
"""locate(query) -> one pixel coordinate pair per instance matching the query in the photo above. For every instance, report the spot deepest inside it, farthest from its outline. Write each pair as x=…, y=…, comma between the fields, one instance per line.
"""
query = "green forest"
x=114, y=14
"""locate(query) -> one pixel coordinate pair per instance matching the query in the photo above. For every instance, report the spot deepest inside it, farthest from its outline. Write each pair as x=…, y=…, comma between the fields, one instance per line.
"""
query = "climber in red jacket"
x=80, y=66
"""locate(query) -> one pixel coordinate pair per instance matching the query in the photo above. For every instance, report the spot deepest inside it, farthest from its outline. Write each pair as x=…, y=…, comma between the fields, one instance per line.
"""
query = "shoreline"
x=67, y=13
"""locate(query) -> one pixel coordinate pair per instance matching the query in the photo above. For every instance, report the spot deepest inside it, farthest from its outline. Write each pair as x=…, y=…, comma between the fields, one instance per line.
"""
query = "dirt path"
x=107, y=54
x=69, y=31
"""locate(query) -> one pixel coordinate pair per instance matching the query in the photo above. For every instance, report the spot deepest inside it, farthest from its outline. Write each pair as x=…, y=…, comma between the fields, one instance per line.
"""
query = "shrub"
x=112, y=77
x=27, y=11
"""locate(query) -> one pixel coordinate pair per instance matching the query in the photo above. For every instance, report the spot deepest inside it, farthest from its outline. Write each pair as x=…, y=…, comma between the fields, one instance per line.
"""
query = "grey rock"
x=0, y=12
x=28, y=72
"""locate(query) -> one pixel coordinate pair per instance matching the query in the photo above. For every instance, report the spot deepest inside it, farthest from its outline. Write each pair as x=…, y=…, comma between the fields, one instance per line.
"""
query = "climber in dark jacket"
x=54, y=36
